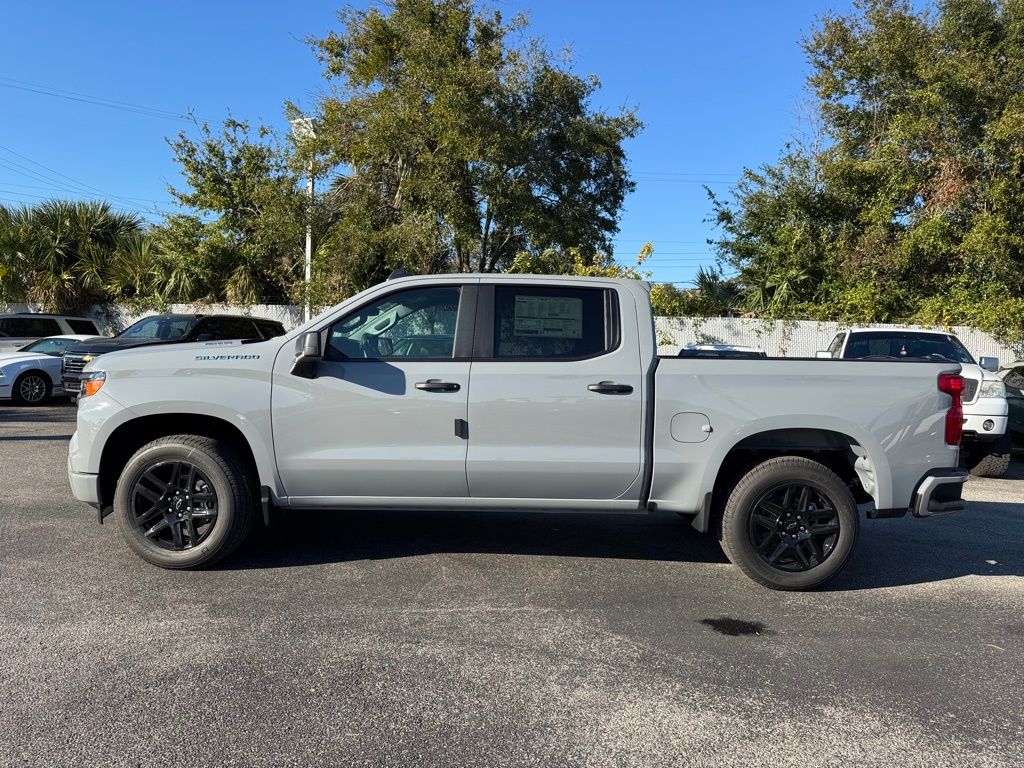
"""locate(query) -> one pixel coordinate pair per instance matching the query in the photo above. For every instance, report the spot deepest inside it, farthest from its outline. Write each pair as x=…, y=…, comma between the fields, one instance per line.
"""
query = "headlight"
x=92, y=382
x=992, y=389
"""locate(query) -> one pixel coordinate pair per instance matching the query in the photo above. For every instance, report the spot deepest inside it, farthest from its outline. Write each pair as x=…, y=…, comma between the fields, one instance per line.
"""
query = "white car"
x=31, y=375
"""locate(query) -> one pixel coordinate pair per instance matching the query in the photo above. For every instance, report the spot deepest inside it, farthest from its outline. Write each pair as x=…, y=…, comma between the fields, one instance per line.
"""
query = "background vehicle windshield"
x=160, y=327
x=907, y=346
x=55, y=347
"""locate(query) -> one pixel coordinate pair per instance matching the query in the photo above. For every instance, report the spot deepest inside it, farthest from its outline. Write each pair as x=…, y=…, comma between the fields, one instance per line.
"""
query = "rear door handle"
x=436, y=385
x=610, y=388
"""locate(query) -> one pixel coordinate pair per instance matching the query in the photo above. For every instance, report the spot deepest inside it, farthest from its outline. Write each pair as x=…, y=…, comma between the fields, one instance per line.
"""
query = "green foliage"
x=60, y=253
x=460, y=148
x=242, y=237
x=909, y=207
x=711, y=294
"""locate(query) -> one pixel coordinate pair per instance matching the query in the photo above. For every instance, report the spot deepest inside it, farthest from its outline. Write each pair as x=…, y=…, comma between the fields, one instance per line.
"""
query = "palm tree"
x=61, y=252
x=717, y=295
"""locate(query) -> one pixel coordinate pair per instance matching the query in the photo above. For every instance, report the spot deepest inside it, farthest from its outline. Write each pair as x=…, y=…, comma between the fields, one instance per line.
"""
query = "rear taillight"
x=953, y=385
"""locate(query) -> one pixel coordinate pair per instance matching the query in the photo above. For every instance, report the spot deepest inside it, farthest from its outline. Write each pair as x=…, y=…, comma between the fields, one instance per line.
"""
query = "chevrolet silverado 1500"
x=511, y=391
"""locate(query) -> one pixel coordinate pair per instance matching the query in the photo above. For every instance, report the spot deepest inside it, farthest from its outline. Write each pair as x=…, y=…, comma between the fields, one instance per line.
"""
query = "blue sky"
x=719, y=86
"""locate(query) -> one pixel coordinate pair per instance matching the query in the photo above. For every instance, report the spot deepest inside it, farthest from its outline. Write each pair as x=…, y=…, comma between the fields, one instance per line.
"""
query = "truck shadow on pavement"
x=986, y=539
x=313, y=537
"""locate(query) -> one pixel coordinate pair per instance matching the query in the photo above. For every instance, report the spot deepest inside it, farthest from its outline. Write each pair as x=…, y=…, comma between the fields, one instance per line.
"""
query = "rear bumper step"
x=940, y=492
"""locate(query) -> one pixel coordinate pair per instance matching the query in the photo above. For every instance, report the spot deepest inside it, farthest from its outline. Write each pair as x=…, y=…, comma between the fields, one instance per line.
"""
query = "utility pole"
x=303, y=130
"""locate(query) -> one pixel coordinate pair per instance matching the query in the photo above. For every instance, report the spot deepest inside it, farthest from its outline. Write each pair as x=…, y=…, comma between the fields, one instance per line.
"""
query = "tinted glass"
x=906, y=346
x=418, y=324
x=720, y=353
x=1015, y=379
x=549, y=322
x=167, y=328
x=82, y=326
x=269, y=329
x=225, y=328
x=29, y=326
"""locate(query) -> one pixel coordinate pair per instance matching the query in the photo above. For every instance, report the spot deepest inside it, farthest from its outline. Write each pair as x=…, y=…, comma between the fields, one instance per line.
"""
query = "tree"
x=909, y=211
x=241, y=235
x=461, y=149
x=59, y=253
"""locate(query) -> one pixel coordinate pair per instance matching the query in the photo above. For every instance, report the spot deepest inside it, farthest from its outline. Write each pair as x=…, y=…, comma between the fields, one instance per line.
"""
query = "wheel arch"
x=31, y=369
x=853, y=458
x=128, y=437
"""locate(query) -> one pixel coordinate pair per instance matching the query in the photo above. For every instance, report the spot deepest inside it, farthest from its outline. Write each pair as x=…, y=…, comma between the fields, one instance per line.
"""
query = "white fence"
x=779, y=338
x=794, y=338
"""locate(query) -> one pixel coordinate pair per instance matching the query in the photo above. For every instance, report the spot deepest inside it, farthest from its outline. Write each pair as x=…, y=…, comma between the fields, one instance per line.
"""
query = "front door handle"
x=610, y=388
x=436, y=385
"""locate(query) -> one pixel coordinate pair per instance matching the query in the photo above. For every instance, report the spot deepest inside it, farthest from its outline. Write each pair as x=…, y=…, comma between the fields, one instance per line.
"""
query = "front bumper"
x=974, y=426
x=84, y=486
x=939, y=492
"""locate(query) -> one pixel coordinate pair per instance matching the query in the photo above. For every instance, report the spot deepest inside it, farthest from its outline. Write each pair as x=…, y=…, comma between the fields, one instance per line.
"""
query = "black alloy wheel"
x=174, y=505
x=794, y=527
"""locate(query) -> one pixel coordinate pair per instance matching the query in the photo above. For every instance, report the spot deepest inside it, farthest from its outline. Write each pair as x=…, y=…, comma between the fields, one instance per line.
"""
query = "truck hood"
x=176, y=356
x=103, y=346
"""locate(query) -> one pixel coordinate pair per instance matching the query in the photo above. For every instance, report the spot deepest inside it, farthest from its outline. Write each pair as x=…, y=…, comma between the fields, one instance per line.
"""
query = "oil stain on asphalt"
x=736, y=627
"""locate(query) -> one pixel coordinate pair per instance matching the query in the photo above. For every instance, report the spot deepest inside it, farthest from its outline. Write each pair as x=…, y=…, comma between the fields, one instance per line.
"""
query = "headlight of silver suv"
x=992, y=389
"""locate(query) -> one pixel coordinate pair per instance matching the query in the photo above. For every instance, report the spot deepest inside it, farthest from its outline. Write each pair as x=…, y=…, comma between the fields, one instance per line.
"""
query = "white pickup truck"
x=985, y=448
x=511, y=391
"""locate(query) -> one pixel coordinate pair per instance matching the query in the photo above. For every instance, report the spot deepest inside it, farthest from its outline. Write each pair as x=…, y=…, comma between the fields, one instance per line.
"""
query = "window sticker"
x=549, y=317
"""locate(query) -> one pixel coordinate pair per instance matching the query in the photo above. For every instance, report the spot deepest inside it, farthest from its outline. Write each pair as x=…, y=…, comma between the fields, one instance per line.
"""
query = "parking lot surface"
x=449, y=639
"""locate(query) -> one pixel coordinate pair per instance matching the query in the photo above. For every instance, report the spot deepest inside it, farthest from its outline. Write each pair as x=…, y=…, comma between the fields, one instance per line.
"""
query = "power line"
x=68, y=186
x=57, y=189
x=98, y=101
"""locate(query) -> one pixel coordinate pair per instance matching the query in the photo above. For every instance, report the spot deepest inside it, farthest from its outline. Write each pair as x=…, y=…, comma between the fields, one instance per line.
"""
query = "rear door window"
x=29, y=327
x=227, y=328
x=552, y=323
x=82, y=326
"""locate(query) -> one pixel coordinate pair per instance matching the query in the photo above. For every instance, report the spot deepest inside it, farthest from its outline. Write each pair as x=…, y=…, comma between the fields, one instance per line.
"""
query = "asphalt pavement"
x=499, y=639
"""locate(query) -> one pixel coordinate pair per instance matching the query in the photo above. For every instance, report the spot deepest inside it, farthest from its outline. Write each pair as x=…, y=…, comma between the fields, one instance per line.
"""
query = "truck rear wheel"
x=987, y=459
x=790, y=523
x=184, y=501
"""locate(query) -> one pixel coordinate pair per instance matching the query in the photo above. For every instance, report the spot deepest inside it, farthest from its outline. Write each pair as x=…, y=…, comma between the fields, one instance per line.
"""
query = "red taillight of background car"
x=953, y=385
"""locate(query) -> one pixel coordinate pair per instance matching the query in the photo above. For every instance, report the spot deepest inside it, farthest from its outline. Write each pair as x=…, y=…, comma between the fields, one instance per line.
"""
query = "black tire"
x=988, y=459
x=768, y=514
x=31, y=388
x=199, y=528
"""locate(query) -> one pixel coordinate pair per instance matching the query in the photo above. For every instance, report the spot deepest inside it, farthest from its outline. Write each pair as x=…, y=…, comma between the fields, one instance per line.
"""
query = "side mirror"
x=989, y=363
x=823, y=354
x=307, y=355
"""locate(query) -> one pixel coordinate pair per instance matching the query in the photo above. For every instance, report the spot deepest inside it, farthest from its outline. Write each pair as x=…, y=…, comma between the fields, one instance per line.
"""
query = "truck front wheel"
x=184, y=501
x=790, y=523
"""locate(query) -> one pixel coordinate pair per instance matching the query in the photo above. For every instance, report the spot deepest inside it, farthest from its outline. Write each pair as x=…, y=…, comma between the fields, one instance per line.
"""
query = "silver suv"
x=17, y=330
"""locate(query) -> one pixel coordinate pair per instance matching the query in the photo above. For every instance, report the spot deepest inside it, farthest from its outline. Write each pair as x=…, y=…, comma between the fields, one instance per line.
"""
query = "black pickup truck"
x=167, y=329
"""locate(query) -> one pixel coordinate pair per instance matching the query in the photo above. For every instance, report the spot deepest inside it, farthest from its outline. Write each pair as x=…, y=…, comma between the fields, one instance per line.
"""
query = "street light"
x=302, y=129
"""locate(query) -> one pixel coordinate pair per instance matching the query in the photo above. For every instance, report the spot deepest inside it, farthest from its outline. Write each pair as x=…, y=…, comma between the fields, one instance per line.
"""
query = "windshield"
x=159, y=327
x=54, y=347
x=163, y=327
x=907, y=346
